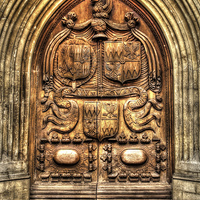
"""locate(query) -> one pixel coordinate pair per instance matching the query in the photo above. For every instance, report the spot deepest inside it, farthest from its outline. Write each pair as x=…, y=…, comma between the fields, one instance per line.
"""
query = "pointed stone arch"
x=22, y=23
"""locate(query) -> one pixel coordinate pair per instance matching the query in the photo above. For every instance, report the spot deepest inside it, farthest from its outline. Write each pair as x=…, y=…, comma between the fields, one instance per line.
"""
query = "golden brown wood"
x=133, y=156
x=66, y=157
x=102, y=107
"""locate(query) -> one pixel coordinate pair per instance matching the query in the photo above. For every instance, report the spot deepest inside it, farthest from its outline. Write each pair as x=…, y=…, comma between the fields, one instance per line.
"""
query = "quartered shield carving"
x=122, y=60
x=75, y=60
x=101, y=119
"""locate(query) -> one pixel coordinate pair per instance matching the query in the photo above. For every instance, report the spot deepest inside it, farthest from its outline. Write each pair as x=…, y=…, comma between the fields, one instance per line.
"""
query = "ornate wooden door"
x=101, y=105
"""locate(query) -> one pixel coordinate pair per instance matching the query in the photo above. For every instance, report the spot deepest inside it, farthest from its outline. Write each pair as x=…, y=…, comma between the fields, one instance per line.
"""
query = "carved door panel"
x=101, y=109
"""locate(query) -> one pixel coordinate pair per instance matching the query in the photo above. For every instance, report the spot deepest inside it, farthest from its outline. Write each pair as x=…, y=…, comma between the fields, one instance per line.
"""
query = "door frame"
x=53, y=20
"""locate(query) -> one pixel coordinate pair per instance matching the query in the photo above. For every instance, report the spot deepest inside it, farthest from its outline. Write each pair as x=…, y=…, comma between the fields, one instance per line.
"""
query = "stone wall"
x=186, y=189
x=22, y=21
x=14, y=190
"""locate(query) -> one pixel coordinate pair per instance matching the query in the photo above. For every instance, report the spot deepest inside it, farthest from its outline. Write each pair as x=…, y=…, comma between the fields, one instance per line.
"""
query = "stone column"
x=14, y=178
x=21, y=23
x=180, y=23
x=179, y=20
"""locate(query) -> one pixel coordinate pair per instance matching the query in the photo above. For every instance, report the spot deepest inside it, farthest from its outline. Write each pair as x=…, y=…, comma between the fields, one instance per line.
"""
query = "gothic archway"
x=23, y=22
x=102, y=104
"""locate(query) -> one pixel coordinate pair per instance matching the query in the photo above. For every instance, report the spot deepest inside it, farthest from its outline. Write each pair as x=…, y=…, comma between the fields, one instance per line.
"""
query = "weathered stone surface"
x=15, y=190
x=192, y=196
x=184, y=189
x=198, y=188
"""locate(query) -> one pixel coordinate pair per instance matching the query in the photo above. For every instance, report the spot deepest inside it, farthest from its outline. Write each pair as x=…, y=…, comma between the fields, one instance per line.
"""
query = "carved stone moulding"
x=63, y=192
x=104, y=192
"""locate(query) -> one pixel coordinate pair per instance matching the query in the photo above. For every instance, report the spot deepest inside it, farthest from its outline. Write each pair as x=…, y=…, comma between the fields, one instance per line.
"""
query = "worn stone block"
x=177, y=185
x=15, y=190
x=186, y=189
x=190, y=196
x=198, y=188
x=189, y=186
x=177, y=195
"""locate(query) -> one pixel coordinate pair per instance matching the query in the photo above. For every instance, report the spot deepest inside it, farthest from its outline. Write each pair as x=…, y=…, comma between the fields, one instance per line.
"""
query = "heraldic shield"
x=74, y=58
x=122, y=60
x=100, y=119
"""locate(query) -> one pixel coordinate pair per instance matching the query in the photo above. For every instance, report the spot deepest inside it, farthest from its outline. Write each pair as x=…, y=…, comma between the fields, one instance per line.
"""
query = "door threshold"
x=104, y=191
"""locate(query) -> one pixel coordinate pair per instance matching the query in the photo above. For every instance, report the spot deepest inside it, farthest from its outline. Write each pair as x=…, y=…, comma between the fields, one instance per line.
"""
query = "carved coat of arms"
x=100, y=119
x=74, y=60
x=74, y=63
x=122, y=60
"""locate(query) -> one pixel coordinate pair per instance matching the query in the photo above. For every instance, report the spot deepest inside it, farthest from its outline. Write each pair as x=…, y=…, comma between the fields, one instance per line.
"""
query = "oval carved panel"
x=66, y=157
x=133, y=156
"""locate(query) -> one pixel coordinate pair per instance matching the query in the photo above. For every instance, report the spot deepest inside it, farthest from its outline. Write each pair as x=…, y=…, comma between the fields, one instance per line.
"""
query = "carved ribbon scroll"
x=138, y=120
x=65, y=114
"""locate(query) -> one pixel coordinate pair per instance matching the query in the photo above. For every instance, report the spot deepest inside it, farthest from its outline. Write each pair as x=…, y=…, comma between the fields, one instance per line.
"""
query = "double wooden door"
x=101, y=105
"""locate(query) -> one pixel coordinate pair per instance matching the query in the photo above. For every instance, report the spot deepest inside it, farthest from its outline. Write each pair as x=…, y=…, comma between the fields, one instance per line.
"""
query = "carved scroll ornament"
x=137, y=111
x=65, y=114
